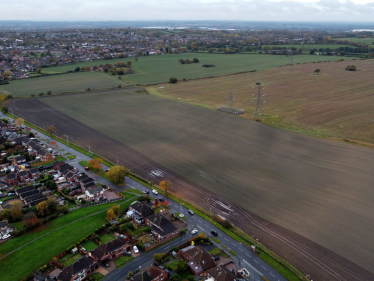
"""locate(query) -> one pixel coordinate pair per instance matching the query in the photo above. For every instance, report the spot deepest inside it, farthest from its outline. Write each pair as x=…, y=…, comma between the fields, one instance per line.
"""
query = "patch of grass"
x=215, y=240
x=232, y=253
x=223, y=254
x=173, y=265
x=97, y=276
x=73, y=259
x=133, y=190
x=121, y=261
x=38, y=164
x=71, y=157
x=128, y=195
x=89, y=245
x=60, y=83
x=106, y=238
x=67, y=230
x=215, y=251
x=141, y=230
x=61, y=158
x=183, y=218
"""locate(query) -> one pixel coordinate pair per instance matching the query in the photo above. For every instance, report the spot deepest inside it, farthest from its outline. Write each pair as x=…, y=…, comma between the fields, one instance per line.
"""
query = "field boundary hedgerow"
x=279, y=264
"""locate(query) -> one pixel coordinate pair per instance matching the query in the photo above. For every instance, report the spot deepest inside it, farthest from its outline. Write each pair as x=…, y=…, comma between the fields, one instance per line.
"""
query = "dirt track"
x=306, y=255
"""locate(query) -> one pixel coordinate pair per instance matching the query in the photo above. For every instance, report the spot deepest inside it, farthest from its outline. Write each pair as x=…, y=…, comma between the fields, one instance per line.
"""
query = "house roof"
x=142, y=209
x=23, y=173
x=11, y=176
x=201, y=256
x=104, y=249
x=29, y=193
x=34, y=197
x=221, y=273
x=76, y=267
x=25, y=189
x=20, y=158
x=34, y=171
x=88, y=185
x=4, y=224
x=86, y=180
x=162, y=225
x=94, y=190
x=148, y=274
x=36, y=202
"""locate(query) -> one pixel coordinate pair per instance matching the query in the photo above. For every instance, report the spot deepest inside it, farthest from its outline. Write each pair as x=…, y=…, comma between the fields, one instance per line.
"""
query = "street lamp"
x=89, y=149
x=256, y=245
x=67, y=139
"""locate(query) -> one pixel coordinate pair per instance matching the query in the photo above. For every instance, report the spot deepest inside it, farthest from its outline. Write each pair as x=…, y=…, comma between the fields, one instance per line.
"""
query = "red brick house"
x=4, y=226
x=161, y=227
x=219, y=273
x=78, y=270
x=94, y=194
x=151, y=273
x=11, y=179
x=198, y=259
x=34, y=173
x=19, y=160
x=113, y=249
x=23, y=175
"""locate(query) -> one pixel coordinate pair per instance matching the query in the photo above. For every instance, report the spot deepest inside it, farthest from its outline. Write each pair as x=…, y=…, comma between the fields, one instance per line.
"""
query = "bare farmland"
x=318, y=189
x=336, y=103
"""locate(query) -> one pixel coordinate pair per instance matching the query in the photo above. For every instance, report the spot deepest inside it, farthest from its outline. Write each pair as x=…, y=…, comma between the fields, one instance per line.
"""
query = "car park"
x=194, y=231
x=154, y=191
x=136, y=251
x=214, y=233
x=191, y=212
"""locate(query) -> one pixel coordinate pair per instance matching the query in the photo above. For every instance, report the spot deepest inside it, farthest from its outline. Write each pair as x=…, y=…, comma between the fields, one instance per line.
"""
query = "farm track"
x=309, y=257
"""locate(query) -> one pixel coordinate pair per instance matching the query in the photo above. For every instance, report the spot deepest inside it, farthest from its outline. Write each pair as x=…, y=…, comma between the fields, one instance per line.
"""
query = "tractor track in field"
x=309, y=257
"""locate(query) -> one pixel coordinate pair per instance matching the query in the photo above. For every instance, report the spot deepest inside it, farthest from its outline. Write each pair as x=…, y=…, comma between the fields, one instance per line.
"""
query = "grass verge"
x=121, y=261
x=232, y=253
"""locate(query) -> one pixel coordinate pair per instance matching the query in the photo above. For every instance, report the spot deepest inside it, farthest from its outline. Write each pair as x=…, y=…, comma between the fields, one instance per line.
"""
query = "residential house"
x=78, y=270
x=151, y=273
x=4, y=226
x=161, y=227
x=198, y=259
x=88, y=186
x=138, y=211
x=112, y=249
x=70, y=176
x=23, y=176
x=36, y=150
x=94, y=194
x=34, y=173
x=30, y=193
x=41, y=277
x=24, y=189
x=220, y=273
x=11, y=179
x=19, y=160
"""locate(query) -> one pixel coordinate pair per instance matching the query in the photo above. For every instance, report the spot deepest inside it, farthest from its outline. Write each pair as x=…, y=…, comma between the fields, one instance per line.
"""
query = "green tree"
x=77, y=69
x=176, y=277
x=117, y=174
x=181, y=265
x=173, y=80
x=317, y=71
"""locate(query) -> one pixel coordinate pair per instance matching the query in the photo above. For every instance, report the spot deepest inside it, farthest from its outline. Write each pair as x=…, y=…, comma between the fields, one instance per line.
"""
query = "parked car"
x=194, y=231
x=145, y=192
x=86, y=168
x=154, y=191
x=214, y=233
x=128, y=254
x=135, y=249
x=216, y=258
x=106, y=264
x=161, y=199
x=191, y=212
x=11, y=194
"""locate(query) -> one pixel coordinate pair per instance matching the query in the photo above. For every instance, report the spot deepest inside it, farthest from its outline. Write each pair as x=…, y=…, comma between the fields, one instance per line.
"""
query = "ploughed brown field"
x=308, y=199
x=335, y=103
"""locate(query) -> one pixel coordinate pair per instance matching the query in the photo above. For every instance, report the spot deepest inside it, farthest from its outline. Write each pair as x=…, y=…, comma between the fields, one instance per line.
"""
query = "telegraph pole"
x=259, y=101
x=291, y=62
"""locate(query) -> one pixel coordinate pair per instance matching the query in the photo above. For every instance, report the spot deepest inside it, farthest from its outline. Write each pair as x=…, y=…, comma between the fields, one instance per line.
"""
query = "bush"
x=41, y=94
x=176, y=277
x=351, y=68
x=5, y=109
x=208, y=65
x=173, y=80
x=49, y=93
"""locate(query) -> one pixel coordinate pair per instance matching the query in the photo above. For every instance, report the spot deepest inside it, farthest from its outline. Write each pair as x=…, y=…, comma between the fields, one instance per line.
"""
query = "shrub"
x=49, y=93
x=173, y=80
x=4, y=109
x=208, y=65
x=88, y=89
x=351, y=68
x=40, y=94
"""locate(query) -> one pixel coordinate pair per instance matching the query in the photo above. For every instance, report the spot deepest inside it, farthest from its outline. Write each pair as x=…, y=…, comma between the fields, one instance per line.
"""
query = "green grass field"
x=158, y=69
x=106, y=238
x=23, y=261
x=60, y=83
x=308, y=47
x=89, y=245
x=366, y=41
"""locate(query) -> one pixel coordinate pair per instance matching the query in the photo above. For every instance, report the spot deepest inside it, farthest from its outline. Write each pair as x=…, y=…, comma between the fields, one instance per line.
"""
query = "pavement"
x=245, y=258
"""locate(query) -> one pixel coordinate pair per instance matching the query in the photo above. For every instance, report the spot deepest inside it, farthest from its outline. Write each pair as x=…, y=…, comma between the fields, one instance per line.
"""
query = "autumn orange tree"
x=51, y=129
x=42, y=209
x=19, y=122
x=165, y=186
x=96, y=163
x=117, y=174
x=31, y=220
x=16, y=212
x=110, y=215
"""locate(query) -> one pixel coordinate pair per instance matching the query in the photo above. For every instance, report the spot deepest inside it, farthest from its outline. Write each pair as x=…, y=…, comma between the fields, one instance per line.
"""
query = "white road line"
x=248, y=255
x=225, y=238
x=233, y=243
x=255, y=269
x=241, y=250
x=263, y=267
x=255, y=261
x=272, y=274
x=206, y=224
x=200, y=221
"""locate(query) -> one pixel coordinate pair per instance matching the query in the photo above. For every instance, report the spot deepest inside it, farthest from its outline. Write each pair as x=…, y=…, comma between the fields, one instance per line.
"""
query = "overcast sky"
x=117, y=10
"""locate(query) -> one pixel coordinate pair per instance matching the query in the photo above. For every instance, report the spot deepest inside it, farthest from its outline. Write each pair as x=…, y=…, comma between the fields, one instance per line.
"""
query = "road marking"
x=200, y=221
x=241, y=250
x=271, y=274
x=206, y=224
x=255, y=261
x=263, y=267
x=255, y=269
x=226, y=239
x=248, y=255
x=233, y=243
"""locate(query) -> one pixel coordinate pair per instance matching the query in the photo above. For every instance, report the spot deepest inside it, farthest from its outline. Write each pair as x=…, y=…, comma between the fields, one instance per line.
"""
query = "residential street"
x=244, y=259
